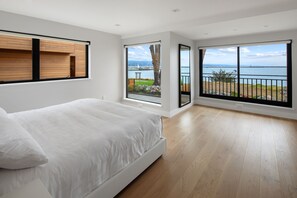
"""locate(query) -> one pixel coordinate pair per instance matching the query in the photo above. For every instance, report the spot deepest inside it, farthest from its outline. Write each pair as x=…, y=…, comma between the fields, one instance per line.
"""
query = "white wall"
x=175, y=40
x=106, y=71
x=247, y=107
x=169, y=74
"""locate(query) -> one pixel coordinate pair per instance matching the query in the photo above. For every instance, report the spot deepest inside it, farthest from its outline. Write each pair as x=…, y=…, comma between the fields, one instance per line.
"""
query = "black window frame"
x=250, y=100
x=36, y=57
x=126, y=48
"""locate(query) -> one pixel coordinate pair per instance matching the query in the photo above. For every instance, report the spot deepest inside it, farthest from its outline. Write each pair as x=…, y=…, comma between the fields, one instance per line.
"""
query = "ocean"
x=260, y=72
x=255, y=72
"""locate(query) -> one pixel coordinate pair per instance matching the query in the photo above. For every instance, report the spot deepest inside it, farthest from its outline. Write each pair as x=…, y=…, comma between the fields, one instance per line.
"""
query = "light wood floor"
x=225, y=154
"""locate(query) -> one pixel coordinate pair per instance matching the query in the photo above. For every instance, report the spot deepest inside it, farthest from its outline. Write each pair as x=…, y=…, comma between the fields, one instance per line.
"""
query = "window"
x=258, y=73
x=143, y=67
x=26, y=58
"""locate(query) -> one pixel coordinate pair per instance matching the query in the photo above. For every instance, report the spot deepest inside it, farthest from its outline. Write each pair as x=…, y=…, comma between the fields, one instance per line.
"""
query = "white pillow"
x=3, y=113
x=18, y=149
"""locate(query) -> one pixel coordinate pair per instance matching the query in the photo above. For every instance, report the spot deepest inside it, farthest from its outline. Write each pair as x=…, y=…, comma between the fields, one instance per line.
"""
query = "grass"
x=273, y=92
x=147, y=82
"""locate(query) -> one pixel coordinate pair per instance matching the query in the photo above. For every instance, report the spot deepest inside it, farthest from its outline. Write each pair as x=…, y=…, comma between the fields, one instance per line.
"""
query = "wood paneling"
x=15, y=43
x=57, y=64
x=222, y=154
x=16, y=59
x=15, y=65
x=54, y=65
x=56, y=46
x=80, y=60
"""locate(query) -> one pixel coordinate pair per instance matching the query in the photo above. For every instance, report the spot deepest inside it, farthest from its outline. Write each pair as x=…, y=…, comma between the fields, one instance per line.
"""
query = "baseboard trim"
x=282, y=112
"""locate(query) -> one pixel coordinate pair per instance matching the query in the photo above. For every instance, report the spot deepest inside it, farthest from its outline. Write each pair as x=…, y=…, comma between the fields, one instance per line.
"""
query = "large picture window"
x=143, y=67
x=26, y=58
x=258, y=73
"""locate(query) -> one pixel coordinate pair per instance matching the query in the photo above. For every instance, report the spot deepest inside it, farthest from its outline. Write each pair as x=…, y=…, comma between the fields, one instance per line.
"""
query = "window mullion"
x=35, y=59
x=289, y=74
x=238, y=72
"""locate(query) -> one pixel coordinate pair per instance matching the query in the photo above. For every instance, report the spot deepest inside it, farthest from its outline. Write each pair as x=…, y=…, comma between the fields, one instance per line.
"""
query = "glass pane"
x=263, y=72
x=144, y=72
x=219, y=71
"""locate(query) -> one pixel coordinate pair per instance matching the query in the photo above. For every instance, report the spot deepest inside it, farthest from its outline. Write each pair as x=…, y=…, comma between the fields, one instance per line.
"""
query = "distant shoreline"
x=140, y=68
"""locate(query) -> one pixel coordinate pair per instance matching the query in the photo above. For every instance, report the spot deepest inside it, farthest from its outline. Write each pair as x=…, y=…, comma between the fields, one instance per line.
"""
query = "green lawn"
x=144, y=82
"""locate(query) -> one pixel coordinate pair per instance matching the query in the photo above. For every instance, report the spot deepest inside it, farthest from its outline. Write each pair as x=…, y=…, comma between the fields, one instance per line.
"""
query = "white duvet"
x=86, y=141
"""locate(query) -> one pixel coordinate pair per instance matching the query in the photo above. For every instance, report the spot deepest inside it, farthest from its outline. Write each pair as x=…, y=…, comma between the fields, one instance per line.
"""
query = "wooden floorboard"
x=222, y=154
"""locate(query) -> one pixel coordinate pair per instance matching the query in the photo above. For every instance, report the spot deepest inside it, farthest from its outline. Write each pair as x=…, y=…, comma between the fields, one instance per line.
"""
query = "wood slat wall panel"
x=54, y=65
x=16, y=58
x=15, y=43
x=15, y=65
x=80, y=59
x=56, y=46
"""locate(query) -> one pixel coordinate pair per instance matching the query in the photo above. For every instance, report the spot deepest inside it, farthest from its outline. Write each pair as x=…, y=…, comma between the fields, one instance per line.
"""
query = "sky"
x=142, y=53
x=262, y=55
x=139, y=53
x=185, y=58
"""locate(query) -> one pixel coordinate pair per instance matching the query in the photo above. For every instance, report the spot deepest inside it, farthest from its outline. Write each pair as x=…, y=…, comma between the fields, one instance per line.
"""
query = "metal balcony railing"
x=185, y=83
x=252, y=86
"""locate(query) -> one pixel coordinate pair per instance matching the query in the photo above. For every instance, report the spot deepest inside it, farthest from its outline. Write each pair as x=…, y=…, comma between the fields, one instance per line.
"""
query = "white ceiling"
x=196, y=19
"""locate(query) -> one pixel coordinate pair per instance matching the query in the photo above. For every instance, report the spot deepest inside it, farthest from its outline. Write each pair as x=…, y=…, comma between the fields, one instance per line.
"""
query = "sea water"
x=252, y=72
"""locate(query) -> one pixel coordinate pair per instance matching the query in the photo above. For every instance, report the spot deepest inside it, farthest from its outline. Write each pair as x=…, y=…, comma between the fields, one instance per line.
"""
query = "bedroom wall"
x=105, y=67
x=246, y=107
x=175, y=40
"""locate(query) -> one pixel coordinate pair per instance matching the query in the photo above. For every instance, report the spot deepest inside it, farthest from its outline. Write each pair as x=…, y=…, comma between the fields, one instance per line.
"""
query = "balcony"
x=252, y=88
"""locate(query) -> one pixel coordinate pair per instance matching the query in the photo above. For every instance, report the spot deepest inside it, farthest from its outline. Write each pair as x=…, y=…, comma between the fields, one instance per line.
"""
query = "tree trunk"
x=155, y=53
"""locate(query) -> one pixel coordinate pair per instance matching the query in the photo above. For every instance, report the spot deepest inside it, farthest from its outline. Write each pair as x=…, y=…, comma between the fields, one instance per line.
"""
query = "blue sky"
x=264, y=55
x=185, y=58
x=139, y=53
x=142, y=53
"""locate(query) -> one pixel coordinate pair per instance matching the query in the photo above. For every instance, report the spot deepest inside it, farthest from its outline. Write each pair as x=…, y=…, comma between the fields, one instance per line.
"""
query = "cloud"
x=228, y=50
x=267, y=54
x=244, y=50
x=139, y=48
x=221, y=52
x=139, y=53
x=212, y=53
x=131, y=53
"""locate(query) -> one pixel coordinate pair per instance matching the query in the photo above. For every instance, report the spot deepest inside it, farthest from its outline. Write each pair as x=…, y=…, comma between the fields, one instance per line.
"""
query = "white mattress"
x=87, y=142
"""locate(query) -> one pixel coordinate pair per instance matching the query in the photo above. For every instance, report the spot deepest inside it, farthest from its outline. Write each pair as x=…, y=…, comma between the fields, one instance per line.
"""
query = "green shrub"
x=223, y=76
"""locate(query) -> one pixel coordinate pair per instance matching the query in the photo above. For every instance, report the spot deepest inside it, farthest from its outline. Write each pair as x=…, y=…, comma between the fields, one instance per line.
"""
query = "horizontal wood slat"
x=15, y=65
x=15, y=43
x=54, y=65
x=56, y=46
x=80, y=60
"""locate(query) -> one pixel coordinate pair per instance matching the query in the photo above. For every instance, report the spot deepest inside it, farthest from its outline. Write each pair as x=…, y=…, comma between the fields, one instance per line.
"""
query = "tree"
x=155, y=52
x=223, y=76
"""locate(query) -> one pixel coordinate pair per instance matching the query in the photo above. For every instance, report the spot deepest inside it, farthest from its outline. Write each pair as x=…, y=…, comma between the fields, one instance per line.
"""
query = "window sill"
x=141, y=102
x=240, y=104
x=45, y=81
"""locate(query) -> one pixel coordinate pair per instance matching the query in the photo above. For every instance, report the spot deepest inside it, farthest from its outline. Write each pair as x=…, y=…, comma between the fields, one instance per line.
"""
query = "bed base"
x=114, y=185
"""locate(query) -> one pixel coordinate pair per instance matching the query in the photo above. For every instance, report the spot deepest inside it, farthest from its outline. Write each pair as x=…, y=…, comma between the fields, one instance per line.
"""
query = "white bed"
x=94, y=148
